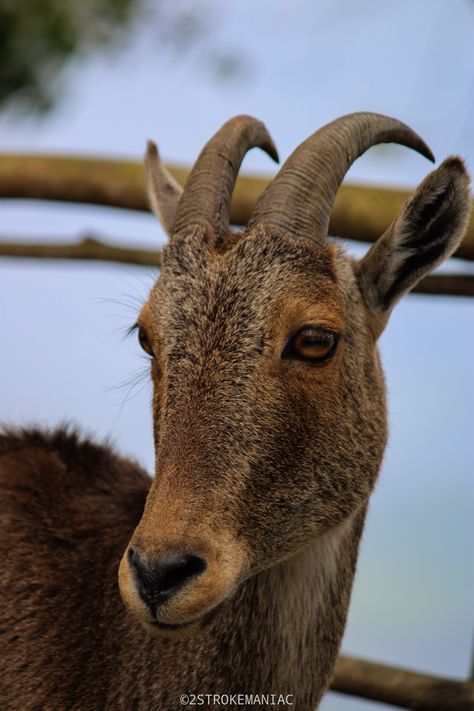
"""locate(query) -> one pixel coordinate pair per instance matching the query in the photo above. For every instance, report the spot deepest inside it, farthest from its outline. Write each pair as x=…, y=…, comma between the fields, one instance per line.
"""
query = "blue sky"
x=64, y=353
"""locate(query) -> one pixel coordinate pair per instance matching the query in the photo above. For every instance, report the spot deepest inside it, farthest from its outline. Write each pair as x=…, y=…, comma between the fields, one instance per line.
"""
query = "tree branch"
x=360, y=213
x=446, y=285
x=402, y=688
x=90, y=248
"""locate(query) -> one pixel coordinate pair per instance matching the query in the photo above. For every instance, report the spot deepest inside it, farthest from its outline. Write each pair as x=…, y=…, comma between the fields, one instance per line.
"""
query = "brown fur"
x=264, y=467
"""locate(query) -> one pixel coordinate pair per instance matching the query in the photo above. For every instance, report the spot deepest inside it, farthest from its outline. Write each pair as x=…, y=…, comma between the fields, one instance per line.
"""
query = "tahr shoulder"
x=48, y=472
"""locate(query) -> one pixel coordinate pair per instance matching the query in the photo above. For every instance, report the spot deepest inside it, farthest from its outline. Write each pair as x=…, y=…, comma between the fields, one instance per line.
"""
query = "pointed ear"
x=163, y=190
x=426, y=231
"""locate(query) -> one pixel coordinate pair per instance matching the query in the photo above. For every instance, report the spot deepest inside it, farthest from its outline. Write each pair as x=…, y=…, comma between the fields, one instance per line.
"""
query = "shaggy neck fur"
x=295, y=614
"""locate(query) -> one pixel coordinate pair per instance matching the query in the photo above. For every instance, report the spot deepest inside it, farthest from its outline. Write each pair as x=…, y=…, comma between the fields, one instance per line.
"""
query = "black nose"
x=158, y=581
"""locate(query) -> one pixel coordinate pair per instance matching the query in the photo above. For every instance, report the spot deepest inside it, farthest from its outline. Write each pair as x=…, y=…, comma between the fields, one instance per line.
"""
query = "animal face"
x=268, y=408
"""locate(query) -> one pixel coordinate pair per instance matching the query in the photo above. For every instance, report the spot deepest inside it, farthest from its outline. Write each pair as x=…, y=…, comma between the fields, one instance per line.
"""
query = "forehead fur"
x=261, y=274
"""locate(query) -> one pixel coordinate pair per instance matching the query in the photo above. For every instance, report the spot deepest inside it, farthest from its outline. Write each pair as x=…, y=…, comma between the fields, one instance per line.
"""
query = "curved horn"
x=208, y=191
x=300, y=197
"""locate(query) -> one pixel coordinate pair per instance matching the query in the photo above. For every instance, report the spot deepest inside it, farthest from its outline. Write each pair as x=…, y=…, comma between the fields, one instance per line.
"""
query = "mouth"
x=172, y=628
x=192, y=625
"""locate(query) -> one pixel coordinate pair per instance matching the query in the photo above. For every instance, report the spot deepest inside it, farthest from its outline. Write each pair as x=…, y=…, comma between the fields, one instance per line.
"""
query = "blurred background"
x=99, y=78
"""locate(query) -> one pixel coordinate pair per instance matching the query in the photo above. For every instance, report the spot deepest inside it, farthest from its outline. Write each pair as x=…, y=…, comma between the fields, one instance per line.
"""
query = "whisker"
x=133, y=385
x=133, y=379
x=127, y=399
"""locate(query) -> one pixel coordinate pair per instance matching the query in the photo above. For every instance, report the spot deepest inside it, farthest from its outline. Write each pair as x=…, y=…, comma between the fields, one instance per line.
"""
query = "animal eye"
x=144, y=342
x=312, y=344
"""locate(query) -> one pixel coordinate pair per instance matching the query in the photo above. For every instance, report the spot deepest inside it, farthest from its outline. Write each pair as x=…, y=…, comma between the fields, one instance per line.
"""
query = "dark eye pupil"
x=314, y=345
x=143, y=340
x=310, y=338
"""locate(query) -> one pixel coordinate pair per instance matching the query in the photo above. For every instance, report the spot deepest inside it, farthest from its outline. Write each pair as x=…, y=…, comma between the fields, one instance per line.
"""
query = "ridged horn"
x=208, y=191
x=300, y=197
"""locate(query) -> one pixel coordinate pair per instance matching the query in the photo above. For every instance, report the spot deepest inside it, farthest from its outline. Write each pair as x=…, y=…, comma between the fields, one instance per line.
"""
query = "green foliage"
x=38, y=37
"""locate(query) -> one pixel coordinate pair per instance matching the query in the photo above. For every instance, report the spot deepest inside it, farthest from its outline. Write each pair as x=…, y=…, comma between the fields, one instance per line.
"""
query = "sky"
x=65, y=356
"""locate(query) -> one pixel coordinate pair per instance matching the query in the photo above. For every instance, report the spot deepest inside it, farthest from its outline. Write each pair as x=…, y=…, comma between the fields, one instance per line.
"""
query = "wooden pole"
x=400, y=687
x=360, y=213
x=93, y=249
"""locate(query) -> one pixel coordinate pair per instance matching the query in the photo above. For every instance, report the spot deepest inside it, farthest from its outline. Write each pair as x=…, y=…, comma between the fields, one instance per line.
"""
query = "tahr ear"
x=426, y=231
x=164, y=192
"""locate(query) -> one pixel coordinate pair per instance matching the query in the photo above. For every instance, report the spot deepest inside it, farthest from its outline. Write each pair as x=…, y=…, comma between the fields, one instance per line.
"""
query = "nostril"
x=159, y=580
x=132, y=555
x=175, y=571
